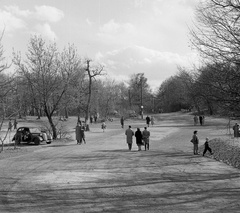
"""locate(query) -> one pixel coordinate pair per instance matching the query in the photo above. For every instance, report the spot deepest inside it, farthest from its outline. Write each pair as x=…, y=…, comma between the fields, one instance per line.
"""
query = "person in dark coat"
x=78, y=130
x=207, y=148
x=10, y=125
x=122, y=122
x=91, y=119
x=138, y=135
x=148, y=120
x=15, y=123
x=236, y=130
x=200, y=120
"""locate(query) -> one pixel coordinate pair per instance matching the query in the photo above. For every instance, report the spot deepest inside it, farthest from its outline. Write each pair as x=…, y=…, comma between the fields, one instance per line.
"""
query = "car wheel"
x=36, y=141
x=48, y=142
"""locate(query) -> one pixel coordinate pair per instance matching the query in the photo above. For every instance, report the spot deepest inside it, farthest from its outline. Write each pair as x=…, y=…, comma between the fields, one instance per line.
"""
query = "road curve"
x=103, y=176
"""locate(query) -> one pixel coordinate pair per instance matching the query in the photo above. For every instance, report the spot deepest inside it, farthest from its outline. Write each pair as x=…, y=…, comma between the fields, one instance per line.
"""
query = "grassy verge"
x=225, y=151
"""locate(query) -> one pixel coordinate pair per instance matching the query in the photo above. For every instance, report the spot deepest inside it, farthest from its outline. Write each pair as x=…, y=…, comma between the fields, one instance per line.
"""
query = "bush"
x=225, y=151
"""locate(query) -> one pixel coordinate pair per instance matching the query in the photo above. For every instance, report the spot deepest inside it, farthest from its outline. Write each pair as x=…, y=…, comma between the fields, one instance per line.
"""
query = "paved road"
x=103, y=176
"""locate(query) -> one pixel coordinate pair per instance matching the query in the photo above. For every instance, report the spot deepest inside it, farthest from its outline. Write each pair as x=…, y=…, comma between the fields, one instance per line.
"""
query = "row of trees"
x=214, y=86
x=52, y=83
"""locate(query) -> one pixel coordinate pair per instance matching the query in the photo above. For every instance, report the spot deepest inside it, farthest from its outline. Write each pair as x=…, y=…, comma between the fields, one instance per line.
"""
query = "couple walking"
x=142, y=138
x=80, y=135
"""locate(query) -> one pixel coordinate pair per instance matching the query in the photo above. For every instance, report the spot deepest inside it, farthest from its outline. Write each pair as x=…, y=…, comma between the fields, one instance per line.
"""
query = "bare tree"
x=48, y=74
x=216, y=33
x=92, y=73
x=5, y=89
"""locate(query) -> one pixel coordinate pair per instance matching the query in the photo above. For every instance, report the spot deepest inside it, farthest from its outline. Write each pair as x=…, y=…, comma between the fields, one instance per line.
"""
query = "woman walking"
x=138, y=135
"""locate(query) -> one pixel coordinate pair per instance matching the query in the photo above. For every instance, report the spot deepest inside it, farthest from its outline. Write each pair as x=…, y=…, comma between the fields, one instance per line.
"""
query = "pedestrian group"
x=142, y=138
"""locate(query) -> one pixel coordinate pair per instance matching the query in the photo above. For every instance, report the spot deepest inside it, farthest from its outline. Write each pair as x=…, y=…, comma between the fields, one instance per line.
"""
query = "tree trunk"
x=66, y=113
x=54, y=130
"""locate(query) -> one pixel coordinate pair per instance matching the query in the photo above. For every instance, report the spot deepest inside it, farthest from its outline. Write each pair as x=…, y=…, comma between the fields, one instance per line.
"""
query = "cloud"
x=10, y=23
x=14, y=10
x=138, y=3
x=117, y=33
x=12, y=19
x=46, y=31
x=156, y=65
x=90, y=23
x=48, y=13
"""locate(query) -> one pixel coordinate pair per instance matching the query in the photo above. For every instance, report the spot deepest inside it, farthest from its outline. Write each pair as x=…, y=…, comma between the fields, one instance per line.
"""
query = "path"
x=103, y=176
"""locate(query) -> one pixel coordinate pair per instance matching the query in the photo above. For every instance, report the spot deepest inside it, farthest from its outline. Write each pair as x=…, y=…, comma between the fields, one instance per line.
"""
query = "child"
x=207, y=148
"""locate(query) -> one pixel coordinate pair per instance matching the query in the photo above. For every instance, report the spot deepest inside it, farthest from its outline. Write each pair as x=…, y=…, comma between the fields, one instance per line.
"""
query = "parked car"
x=132, y=114
x=31, y=135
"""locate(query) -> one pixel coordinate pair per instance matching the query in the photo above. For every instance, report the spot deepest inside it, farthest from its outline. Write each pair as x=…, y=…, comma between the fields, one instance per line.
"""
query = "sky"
x=125, y=36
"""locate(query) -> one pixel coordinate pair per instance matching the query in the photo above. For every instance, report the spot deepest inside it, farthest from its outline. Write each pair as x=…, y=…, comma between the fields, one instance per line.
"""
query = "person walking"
x=201, y=120
x=15, y=123
x=78, y=133
x=91, y=119
x=146, y=135
x=129, y=135
x=122, y=122
x=138, y=135
x=195, y=119
x=95, y=118
x=236, y=130
x=10, y=125
x=147, y=120
x=195, y=142
x=82, y=135
x=104, y=126
x=206, y=147
x=152, y=120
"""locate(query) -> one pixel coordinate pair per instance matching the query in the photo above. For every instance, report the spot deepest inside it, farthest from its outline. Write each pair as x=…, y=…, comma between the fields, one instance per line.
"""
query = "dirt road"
x=103, y=176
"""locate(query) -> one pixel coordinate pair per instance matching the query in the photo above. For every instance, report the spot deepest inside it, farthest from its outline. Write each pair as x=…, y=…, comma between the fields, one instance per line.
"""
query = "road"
x=103, y=176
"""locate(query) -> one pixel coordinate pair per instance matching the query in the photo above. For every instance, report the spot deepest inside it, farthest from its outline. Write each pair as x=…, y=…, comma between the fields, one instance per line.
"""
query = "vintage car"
x=31, y=135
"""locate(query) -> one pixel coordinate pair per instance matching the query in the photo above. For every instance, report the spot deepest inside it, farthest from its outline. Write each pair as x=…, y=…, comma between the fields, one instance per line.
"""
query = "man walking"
x=146, y=135
x=10, y=125
x=122, y=122
x=129, y=135
x=148, y=120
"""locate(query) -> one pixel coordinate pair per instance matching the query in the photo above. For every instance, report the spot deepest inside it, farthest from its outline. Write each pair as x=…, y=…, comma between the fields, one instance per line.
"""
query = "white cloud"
x=46, y=31
x=48, y=13
x=14, y=10
x=10, y=23
x=116, y=33
x=12, y=18
x=90, y=23
x=156, y=65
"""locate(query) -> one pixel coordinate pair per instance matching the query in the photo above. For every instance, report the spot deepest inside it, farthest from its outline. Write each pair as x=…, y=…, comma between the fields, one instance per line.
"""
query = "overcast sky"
x=126, y=36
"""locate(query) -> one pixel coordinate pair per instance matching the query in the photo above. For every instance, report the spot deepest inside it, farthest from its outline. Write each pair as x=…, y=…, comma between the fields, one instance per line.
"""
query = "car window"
x=34, y=130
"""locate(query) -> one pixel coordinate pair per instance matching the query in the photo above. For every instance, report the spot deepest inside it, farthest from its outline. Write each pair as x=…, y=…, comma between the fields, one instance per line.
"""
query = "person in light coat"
x=146, y=135
x=195, y=142
x=129, y=137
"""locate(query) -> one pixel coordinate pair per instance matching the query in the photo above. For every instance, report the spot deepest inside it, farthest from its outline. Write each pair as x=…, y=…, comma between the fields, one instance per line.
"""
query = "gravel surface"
x=104, y=176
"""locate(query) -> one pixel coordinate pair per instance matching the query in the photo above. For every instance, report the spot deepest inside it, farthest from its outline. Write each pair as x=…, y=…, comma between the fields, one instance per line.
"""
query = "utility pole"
x=129, y=98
